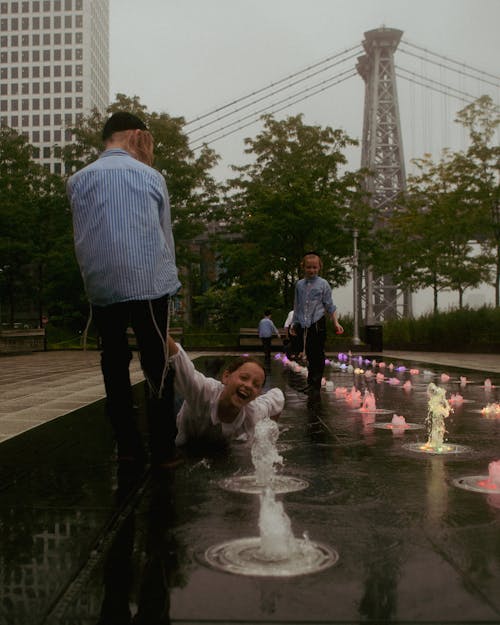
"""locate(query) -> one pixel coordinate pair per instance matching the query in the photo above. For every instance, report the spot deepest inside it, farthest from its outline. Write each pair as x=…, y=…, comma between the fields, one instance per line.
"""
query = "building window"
x=14, y=105
x=25, y=7
x=57, y=54
x=79, y=21
x=68, y=70
x=25, y=88
x=57, y=86
x=46, y=71
x=3, y=103
x=14, y=56
x=46, y=87
x=35, y=104
x=68, y=103
x=35, y=87
x=78, y=54
x=36, y=6
x=35, y=71
x=36, y=120
x=14, y=120
x=57, y=5
x=68, y=119
x=3, y=8
x=46, y=39
x=46, y=55
x=57, y=119
x=79, y=86
x=25, y=72
x=25, y=25
x=14, y=41
x=3, y=73
x=79, y=70
x=46, y=5
x=57, y=71
x=78, y=37
x=25, y=42
x=46, y=151
x=57, y=21
x=46, y=23
x=68, y=86
x=3, y=91
x=35, y=23
x=68, y=21
x=14, y=88
x=68, y=38
x=25, y=121
x=68, y=54
x=25, y=104
x=57, y=104
x=14, y=23
x=3, y=57
x=36, y=136
x=79, y=103
x=67, y=5
x=14, y=72
x=46, y=119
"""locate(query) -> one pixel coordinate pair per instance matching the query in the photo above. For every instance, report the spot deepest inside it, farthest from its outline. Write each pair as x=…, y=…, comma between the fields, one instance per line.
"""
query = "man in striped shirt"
x=125, y=249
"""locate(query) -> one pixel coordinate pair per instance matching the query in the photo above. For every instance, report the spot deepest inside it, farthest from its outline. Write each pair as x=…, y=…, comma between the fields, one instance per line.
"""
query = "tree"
x=481, y=119
x=431, y=233
x=292, y=198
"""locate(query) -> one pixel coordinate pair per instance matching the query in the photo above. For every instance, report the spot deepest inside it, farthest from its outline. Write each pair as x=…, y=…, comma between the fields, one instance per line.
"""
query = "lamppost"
x=355, y=331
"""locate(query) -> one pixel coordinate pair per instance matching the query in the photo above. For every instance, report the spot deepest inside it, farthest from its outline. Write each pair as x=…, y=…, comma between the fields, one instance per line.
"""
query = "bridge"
x=435, y=87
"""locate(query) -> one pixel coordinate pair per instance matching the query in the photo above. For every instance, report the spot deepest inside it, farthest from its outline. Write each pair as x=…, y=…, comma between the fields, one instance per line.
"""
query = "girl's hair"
x=235, y=364
x=308, y=255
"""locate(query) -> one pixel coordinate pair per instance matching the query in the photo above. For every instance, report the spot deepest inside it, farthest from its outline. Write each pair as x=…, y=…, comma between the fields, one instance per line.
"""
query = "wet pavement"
x=85, y=543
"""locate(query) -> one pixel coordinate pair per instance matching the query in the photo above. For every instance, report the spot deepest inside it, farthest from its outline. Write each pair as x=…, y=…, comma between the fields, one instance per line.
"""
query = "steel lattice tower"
x=382, y=155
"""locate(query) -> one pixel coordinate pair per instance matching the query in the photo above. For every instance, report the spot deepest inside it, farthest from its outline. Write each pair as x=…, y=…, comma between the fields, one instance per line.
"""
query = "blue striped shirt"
x=313, y=297
x=122, y=230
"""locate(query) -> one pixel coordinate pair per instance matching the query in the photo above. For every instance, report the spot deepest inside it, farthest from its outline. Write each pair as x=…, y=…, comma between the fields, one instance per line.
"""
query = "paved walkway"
x=39, y=387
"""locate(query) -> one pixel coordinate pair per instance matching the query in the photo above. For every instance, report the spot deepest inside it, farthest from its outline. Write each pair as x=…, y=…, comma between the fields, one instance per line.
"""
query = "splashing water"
x=439, y=409
x=277, y=541
x=369, y=403
x=264, y=453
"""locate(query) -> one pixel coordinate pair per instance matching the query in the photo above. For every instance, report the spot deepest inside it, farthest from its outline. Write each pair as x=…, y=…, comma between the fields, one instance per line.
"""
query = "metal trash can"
x=374, y=337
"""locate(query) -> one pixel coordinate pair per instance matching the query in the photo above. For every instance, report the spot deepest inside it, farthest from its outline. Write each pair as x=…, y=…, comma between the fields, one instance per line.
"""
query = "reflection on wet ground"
x=84, y=543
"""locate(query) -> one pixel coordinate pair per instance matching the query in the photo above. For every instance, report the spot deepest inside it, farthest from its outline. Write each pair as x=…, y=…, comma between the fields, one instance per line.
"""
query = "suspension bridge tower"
x=382, y=155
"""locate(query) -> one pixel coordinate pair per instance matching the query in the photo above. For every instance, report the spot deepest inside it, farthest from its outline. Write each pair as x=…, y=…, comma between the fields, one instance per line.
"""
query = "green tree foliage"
x=430, y=235
x=293, y=197
x=34, y=225
x=481, y=166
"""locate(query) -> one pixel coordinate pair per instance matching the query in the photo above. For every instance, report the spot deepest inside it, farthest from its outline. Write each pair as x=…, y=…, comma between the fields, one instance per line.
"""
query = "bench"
x=177, y=333
x=249, y=337
x=22, y=340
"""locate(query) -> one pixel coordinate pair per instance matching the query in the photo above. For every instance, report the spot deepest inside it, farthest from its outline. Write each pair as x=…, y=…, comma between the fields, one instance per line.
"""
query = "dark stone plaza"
x=85, y=542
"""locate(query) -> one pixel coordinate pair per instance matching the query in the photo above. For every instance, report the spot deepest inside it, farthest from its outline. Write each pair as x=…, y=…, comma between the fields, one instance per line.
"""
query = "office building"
x=54, y=66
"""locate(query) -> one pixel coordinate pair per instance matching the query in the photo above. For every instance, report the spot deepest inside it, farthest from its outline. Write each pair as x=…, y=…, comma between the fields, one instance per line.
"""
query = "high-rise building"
x=54, y=68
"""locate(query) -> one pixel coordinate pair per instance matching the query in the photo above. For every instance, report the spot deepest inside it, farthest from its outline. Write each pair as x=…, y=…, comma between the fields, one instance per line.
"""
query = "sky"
x=189, y=57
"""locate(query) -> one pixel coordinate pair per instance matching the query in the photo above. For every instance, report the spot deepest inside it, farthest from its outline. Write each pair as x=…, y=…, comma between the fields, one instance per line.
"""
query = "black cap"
x=122, y=121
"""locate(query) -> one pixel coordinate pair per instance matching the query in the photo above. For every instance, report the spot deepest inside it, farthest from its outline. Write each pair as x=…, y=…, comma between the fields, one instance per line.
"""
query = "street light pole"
x=355, y=332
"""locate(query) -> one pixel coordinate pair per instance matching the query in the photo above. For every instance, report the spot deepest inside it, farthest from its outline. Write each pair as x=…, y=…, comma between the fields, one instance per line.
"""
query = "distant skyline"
x=188, y=57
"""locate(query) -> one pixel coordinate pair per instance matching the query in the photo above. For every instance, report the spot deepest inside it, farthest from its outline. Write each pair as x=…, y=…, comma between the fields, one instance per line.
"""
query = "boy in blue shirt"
x=266, y=331
x=313, y=301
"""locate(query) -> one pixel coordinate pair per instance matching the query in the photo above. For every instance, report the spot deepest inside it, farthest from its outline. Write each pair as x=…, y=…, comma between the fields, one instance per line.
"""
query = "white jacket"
x=197, y=417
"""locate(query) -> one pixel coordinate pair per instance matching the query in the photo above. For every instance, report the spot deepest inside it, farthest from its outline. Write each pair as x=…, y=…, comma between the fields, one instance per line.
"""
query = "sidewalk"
x=39, y=387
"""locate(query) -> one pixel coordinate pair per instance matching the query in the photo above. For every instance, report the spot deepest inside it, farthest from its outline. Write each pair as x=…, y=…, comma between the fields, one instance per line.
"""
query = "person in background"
x=224, y=411
x=267, y=330
x=313, y=301
x=125, y=249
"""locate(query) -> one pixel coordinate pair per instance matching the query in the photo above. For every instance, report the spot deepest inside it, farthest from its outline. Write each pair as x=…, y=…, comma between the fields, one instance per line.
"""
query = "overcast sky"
x=188, y=57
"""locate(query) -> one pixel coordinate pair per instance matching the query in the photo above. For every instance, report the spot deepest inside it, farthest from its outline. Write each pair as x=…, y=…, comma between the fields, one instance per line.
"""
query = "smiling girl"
x=225, y=410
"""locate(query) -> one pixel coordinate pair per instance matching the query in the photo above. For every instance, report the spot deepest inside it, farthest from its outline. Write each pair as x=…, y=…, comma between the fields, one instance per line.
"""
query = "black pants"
x=315, y=338
x=266, y=345
x=112, y=323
